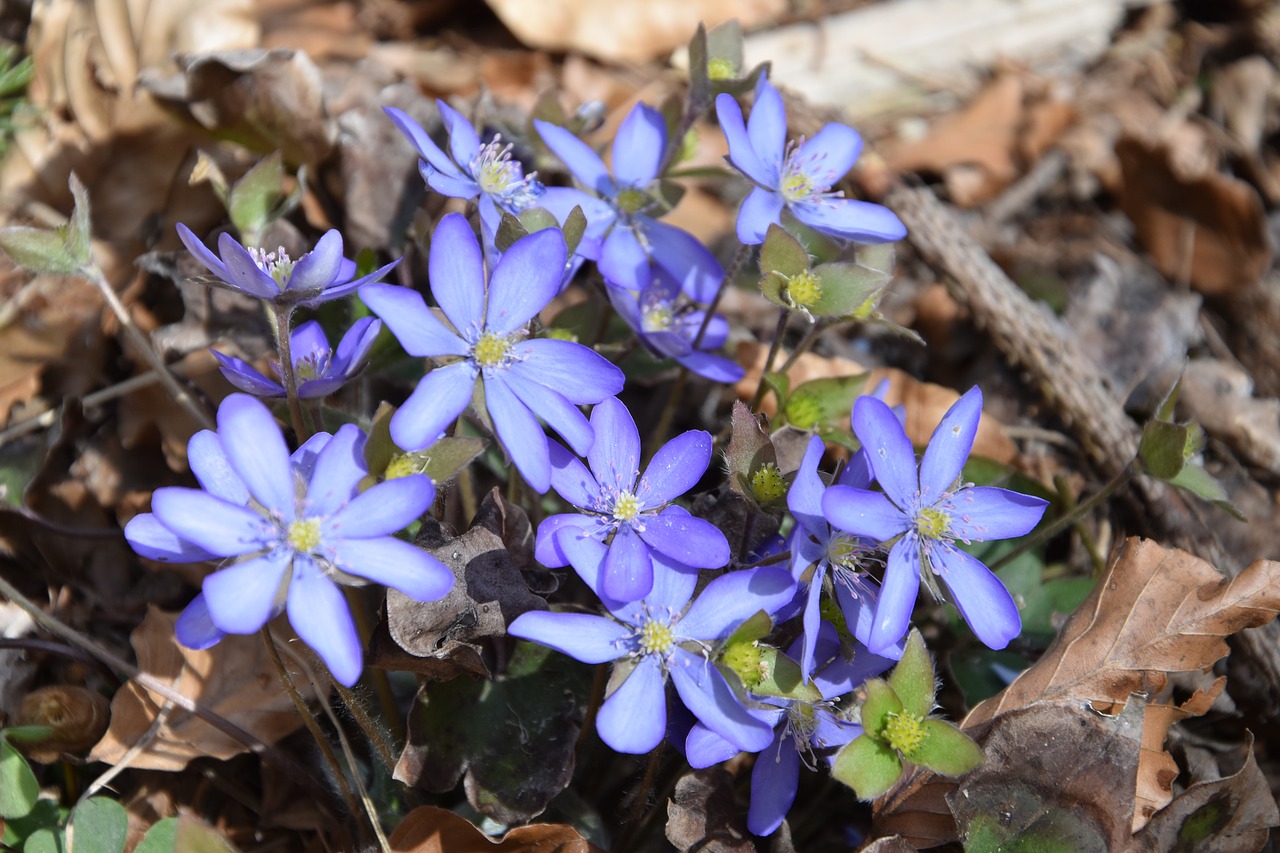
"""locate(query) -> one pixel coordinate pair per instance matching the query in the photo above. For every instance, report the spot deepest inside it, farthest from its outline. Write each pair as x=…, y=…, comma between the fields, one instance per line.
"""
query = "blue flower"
x=928, y=511
x=320, y=370
x=471, y=169
x=667, y=325
x=523, y=378
x=318, y=276
x=657, y=638
x=798, y=176
x=291, y=529
x=629, y=510
x=633, y=238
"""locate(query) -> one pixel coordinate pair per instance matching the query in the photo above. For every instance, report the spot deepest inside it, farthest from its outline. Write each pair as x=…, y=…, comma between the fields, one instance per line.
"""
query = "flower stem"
x=283, y=316
x=1079, y=512
x=761, y=387
x=805, y=344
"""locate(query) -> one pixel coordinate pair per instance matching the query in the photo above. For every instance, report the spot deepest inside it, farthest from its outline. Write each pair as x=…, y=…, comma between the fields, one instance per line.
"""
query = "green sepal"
x=28, y=734
x=699, y=68
x=824, y=404
x=535, y=219
x=913, y=679
x=79, y=232
x=1161, y=449
x=946, y=750
x=725, y=47
x=755, y=628
x=782, y=253
x=575, y=225
x=749, y=450
x=881, y=701
x=782, y=677
x=510, y=229
x=848, y=290
x=868, y=766
x=258, y=198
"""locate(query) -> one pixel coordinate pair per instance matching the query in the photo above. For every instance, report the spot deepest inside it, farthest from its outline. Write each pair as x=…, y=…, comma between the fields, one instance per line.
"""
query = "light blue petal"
x=673, y=582
x=863, y=513
x=197, y=247
x=525, y=280
x=209, y=463
x=898, y=594
x=194, y=627
x=151, y=539
x=812, y=620
x=830, y=154
x=558, y=413
x=241, y=598
x=583, y=376
x=615, y=455
x=343, y=288
x=355, y=346
x=774, y=780
x=804, y=498
x=318, y=612
x=571, y=479
x=577, y=157
x=982, y=599
x=741, y=154
x=949, y=446
x=219, y=528
x=396, y=564
x=686, y=539
x=889, y=450
x=243, y=272
x=638, y=146
x=676, y=468
x=705, y=692
x=519, y=433
x=381, y=510
x=406, y=313
x=456, y=270
x=427, y=149
x=560, y=202
x=547, y=549
x=440, y=397
x=633, y=719
x=731, y=599
x=684, y=257
x=712, y=367
x=850, y=219
x=304, y=458
x=454, y=187
x=767, y=125
x=464, y=143
x=245, y=377
x=985, y=512
x=759, y=210
x=318, y=268
x=703, y=747
x=627, y=573
x=256, y=450
x=623, y=260
x=581, y=636
x=338, y=470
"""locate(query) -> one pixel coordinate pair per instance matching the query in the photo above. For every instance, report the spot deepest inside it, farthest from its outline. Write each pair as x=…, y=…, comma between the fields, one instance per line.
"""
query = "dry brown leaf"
x=624, y=30
x=702, y=814
x=428, y=829
x=1157, y=769
x=1210, y=230
x=233, y=679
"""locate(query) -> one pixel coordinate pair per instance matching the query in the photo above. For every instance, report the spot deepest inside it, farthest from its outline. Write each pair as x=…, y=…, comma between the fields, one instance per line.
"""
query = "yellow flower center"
x=491, y=350
x=656, y=638
x=626, y=507
x=767, y=484
x=720, y=68
x=796, y=185
x=657, y=318
x=932, y=523
x=403, y=465
x=631, y=199
x=304, y=535
x=745, y=659
x=276, y=264
x=843, y=550
x=802, y=719
x=804, y=289
x=904, y=732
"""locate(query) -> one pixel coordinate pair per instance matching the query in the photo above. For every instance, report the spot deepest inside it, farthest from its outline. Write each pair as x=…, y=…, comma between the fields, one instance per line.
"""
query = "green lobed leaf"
x=880, y=703
x=37, y=249
x=823, y=404
x=782, y=253
x=99, y=825
x=868, y=766
x=19, y=789
x=253, y=201
x=946, y=750
x=913, y=678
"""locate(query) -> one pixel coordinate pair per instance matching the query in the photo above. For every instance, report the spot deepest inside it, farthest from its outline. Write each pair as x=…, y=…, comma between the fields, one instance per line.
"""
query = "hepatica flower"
x=523, y=379
x=928, y=511
x=318, y=276
x=291, y=529
x=798, y=176
x=658, y=638
x=320, y=369
x=626, y=518
x=633, y=238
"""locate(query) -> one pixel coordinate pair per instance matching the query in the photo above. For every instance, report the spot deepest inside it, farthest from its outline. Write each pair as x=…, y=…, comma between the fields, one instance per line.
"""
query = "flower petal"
x=396, y=564
x=688, y=261
x=830, y=153
x=304, y=458
x=558, y=413
x=383, y=509
x=582, y=375
x=686, y=539
x=571, y=479
x=638, y=146
x=197, y=247
x=406, y=313
x=615, y=454
x=208, y=461
x=341, y=288
x=560, y=202
x=451, y=185
x=759, y=210
x=427, y=149
x=713, y=367
x=863, y=513
x=245, y=377
x=256, y=450
x=219, y=528
x=892, y=458
x=634, y=717
x=949, y=446
x=243, y=272
x=519, y=433
x=319, y=268
x=673, y=583
x=307, y=339
x=440, y=397
x=767, y=125
x=741, y=154
x=194, y=627
x=526, y=278
x=850, y=219
x=705, y=692
x=858, y=472
x=804, y=498
x=623, y=260
x=985, y=512
x=981, y=597
x=318, y=612
x=731, y=599
x=812, y=621
x=703, y=747
x=676, y=468
x=898, y=594
x=464, y=143
x=151, y=539
x=627, y=574
x=577, y=156
x=774, y=780
x=456, y=270
x=547, y=549
x=355, y=346
x=581, y=636
x=242, y=597
x=338, y=470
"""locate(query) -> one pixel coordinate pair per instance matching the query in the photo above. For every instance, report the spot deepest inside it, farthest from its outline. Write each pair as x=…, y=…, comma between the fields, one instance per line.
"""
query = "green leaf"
x=253, y=201
x=880, y=703
x=37, y=249
x=450, y=455
x=510, y=230
x=28, y=734
x=782, y=254
x=913, y=679
x=868, y=766
x=824, y=404
x=1162, y=448
x=44, y=841
x=18, y=787
x=575, y=225
x=1012, y=817
x=1196, y=480
x=379, y=449
x=162, y=837
x=99, y=825
x=946, y=750
x=699, y=76
x=848, y=290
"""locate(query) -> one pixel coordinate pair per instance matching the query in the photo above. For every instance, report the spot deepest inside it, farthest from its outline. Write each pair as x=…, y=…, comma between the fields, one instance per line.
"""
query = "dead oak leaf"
x=428, y=829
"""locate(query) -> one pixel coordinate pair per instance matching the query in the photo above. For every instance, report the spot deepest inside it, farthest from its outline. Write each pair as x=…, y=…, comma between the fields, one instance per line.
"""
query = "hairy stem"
x=283, y=316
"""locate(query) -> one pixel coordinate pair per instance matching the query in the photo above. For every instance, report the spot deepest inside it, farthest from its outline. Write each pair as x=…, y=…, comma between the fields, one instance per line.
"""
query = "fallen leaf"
x=702, y=814
x=428, y=829
x=233, y=679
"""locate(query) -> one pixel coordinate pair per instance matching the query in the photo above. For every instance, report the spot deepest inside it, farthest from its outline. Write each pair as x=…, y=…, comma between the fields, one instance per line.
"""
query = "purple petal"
x=571, y=479
x=209, y=523
x=703, y=747
x=245, y=377
x=831, y=731
x=985, y=512
x=257, y=452
x=767, y=125
x=830, y=154
x=676, y=468
x=615, y=454
x=519, y=433
x=623, y=260
x=342, y=288
x=812, y=621
x=396, y=564
x=527, y=278
x=741, y=154
x=858, y=472
x=889, y=450
x=427, y=149
x=731, y=599
x=949, y=446
x=197, y=247
x=209, y=463
x=634, y=718
x=318, y=268
x=849, y=219
x=355, y=346
x=898, y=594
x=243, y=272
x=804, y=498
x=318, y=612
x=587, y=555
x=558, y=413
x=304, y=458
x=982, y=599
x=712, y=367
x=577, y=156
x=560, y=202
x=411, y=321
x=717, y=330
x=451, y=185
x=859, y=609
x=440, y=397
x=456, y=270
x=686, y=539
x=464, y=143
x=627, y=573
x=381, y=510
x=241, y=598
x=338, y=470
x=581, y=636
x=759, y=210
x=638, y=146
x=583, y=376
x=194, y=627
x=547, y=549
x=151, y=539
x=308, y=339
x=842, y=676
x=863, y=513
x=774, y=781
x=673, y=582
x=688, y=261
x=705, y=692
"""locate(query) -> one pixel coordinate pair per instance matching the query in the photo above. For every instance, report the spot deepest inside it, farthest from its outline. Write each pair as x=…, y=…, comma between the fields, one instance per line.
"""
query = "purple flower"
x=928, y=511
x=628, y=509
x=523, y=378
x=658, y=637
x=471, y=169
x=293, y=528
x=318, y=276
x=667, y=325
x=319, y=369
x=633, y=238
x=798, y=176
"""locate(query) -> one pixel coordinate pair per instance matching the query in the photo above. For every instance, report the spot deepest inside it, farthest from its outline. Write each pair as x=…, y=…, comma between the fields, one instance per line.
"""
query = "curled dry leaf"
x=428, y=829
x=233, y=679
x=78, y=717
x=702, y=814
